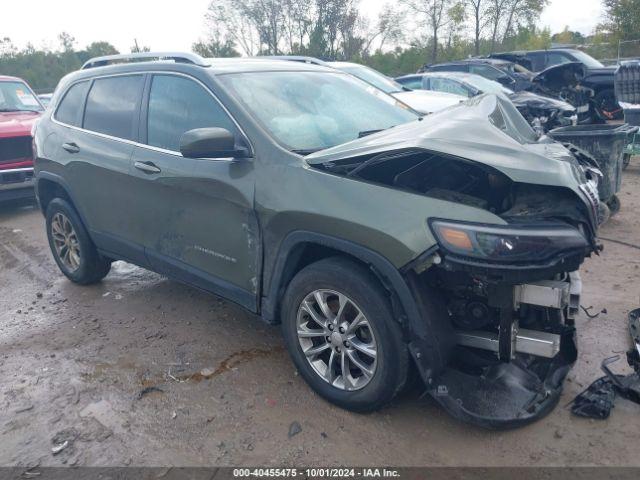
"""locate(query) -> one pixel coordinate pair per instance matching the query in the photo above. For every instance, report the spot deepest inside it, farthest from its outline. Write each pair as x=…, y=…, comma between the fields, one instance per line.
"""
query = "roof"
x=463, y=77
x=456, y=75
x=294, y=58
x=522, y=53
x=129, y=63
x=7, y=78
x=492, y=61
x=240, y=65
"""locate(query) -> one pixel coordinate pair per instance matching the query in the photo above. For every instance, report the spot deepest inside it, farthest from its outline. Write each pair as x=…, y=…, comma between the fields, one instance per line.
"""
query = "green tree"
x=215, y=48
x=97, y=49
x=137, y=48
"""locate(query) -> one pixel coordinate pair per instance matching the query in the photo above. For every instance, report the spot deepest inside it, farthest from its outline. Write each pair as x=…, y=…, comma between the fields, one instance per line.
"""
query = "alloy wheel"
x=337, y=339
x=65, y=241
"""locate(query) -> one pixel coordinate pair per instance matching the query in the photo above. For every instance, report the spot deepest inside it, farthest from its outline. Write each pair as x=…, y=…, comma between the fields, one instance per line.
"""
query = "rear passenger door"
x=196, y=215
x=97, y=138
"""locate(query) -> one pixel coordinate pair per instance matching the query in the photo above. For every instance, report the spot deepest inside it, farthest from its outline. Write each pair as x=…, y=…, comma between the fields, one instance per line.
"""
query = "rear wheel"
x=342, y=336
x=71, y=246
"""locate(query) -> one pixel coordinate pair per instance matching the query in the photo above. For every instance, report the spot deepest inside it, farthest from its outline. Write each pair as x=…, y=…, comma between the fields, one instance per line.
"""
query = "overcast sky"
x=176, y=25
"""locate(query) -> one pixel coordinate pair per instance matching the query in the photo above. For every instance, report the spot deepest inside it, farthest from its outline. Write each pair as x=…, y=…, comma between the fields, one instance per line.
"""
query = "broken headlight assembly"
x=509, y=243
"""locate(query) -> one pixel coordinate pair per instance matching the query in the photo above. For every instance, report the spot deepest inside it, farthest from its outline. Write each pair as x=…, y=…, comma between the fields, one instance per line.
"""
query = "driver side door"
x=195, y=215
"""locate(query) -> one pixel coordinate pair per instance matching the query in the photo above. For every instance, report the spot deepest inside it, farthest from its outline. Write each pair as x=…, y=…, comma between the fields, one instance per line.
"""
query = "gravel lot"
x=113, y=369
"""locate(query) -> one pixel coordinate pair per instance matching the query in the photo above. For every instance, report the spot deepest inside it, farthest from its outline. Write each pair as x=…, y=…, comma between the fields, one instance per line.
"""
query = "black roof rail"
x=177, y=57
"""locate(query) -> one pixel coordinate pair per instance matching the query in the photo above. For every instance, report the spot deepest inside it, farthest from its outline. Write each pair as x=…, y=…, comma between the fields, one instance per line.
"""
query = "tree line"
x=404, y=35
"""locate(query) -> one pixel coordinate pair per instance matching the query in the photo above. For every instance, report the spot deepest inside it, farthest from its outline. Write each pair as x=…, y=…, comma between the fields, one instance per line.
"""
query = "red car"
x=19, y=110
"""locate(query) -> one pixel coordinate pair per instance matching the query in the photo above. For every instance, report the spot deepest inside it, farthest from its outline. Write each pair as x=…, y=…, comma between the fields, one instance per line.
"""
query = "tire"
x=614, y=205
x=607, y=106
x=361, y=292
x=86, y=266
x=626, y=160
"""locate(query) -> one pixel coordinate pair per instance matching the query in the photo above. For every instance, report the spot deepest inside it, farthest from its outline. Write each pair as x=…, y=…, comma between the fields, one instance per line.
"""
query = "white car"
x=422, y=101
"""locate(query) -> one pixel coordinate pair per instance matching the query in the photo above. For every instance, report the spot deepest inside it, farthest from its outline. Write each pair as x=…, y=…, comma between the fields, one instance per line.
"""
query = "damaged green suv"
x=382, y=241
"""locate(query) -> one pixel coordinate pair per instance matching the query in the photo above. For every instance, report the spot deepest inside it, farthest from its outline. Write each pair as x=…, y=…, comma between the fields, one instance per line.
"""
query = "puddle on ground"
x=147, y=380
x=233, y=360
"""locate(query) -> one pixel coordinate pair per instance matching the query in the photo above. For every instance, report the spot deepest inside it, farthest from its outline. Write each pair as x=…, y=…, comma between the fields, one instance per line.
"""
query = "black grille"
x=15, y=148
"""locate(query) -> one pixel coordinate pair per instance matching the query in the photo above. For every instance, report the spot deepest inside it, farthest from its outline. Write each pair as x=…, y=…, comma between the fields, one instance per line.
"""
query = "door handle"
x=147, y=167
x=71, y=147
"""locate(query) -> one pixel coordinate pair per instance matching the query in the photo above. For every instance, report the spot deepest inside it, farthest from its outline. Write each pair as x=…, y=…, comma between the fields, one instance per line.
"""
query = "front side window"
x=310, y=111
x=112, y=105
x=69, y=110
x=538, y=60
x=414, y=83
x=554, y=58
x=17, y=97
x=177, y=105
x=449, y=86
x=488, y=86
x=486, y=71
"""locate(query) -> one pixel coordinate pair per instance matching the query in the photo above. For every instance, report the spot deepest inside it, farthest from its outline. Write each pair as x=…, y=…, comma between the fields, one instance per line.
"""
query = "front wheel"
x=342, y=336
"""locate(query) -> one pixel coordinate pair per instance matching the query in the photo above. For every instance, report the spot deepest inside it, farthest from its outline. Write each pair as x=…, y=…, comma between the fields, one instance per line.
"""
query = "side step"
x=532, y=342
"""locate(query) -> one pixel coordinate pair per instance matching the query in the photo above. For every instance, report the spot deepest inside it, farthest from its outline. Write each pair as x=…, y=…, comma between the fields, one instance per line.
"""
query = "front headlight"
x=507, y=243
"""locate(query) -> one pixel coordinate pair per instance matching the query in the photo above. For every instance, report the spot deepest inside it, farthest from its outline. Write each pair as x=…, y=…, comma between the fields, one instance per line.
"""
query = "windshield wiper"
x=306, y=151
x=366, y=133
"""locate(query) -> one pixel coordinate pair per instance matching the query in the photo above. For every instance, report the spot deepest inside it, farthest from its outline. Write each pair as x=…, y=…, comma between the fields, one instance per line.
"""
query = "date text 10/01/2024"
x=317, y=472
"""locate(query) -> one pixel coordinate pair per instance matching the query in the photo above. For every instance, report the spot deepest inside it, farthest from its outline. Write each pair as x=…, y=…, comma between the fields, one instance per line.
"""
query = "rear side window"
x=70, y=109
x=112, y=105
x=177, y=105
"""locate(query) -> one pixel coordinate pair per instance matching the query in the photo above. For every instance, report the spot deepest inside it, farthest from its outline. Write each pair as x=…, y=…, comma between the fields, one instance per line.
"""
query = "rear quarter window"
x=70, y=109
x=112, y=105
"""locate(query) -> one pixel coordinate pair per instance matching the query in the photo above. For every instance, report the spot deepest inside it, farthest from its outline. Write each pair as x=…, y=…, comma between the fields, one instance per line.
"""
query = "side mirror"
x=210, y=143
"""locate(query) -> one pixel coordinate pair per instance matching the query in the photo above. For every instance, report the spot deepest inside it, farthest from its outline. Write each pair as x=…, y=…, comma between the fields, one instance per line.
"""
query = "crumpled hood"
x=466, y=131
x=17, y=124
x=533, y=100
x=564, y=75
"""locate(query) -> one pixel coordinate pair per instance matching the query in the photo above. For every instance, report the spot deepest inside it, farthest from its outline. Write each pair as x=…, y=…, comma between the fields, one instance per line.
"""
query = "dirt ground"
x=113, y=370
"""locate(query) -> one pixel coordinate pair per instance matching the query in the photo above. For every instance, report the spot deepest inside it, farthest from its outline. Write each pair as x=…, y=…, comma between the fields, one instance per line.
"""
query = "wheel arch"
x=50, y=186
x=423, y=316
x=301, y=248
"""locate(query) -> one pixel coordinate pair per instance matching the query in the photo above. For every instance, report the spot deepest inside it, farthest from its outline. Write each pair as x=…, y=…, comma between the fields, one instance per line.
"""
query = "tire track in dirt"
x=26, y=259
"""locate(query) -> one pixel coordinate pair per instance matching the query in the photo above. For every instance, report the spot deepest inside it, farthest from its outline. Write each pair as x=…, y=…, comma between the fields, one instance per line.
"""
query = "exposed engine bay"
x=511, y=322
x=469, y=183
x=564, y=82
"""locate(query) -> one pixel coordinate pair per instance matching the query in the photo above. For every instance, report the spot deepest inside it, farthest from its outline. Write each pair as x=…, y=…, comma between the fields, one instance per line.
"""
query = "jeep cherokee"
x=381, y=240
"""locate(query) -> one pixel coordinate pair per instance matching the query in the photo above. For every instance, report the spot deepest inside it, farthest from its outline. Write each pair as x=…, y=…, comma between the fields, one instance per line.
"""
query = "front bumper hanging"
x=514, y=377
